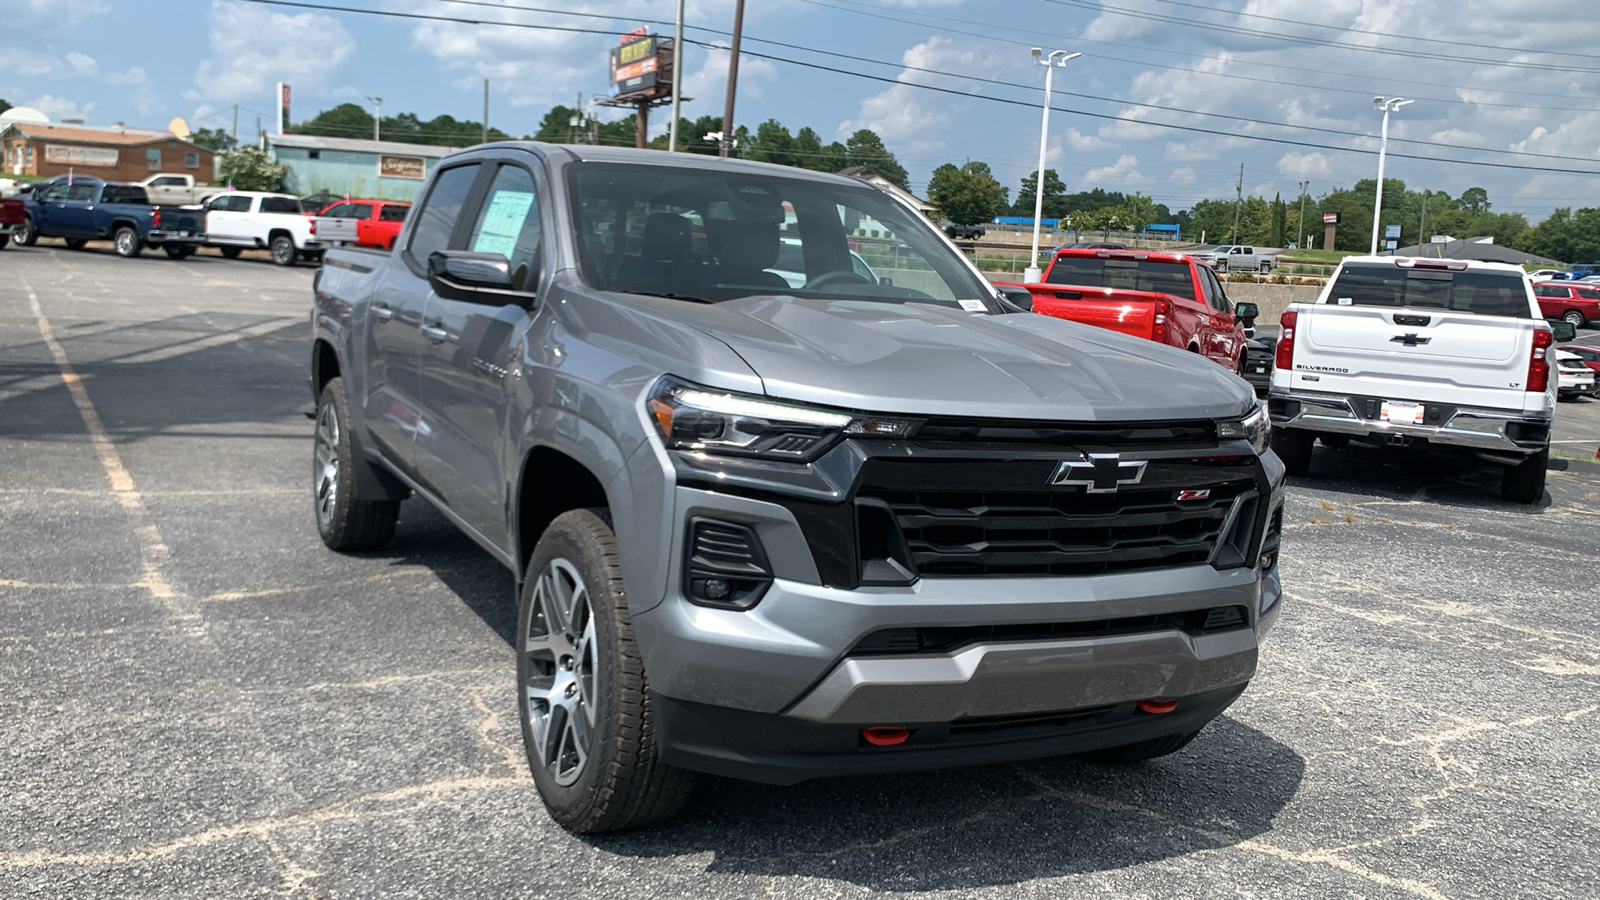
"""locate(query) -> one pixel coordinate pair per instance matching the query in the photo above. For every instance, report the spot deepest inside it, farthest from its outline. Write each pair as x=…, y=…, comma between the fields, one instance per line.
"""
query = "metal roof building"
x=1482, y=249
x=375, y=170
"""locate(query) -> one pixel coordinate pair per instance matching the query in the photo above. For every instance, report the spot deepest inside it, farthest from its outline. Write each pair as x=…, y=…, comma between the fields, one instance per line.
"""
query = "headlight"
x=1255, y=428
x=711, y=421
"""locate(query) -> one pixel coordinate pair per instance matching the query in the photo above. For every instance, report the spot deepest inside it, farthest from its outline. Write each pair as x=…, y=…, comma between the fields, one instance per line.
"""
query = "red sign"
x=1330, y=218
x=634, y=35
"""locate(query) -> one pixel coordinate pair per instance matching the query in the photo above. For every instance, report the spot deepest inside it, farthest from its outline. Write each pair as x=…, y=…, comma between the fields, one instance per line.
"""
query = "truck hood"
x=932, y=360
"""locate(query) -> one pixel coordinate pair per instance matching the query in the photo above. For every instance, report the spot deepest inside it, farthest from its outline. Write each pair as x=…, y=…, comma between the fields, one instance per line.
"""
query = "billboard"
x=1330, y=218
x=413, y=167
x=69, y=155
x=283, y=108
x=1391, y=231
x=641, y=67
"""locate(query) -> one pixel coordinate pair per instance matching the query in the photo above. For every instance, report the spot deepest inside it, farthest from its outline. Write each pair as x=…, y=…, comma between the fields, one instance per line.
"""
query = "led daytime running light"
x=730, y=405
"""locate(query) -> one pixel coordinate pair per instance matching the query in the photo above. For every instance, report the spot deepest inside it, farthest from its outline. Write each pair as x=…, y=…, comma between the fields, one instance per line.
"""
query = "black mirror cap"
x=475, y=278
x=1018, y=297
x=1247, y=311
x=1563, y=331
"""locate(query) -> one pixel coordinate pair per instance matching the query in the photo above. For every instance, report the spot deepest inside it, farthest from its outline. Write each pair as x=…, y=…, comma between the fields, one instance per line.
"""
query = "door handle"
x=382, y=312
x=435, y=333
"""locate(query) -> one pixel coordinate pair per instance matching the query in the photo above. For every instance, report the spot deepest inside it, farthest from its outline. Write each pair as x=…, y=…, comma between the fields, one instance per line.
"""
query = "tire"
x=283, y=252
x=29, y=236
x=587, y=723
x=1524, y=482
x=126, y=240
x=175, y=251
x=1574, y=318
x=1141, y=750
x=1265, y=268
x=229, y=252
x=1294, y=448
x=345, y=522
x=1222, y=268
x=4, y=240
x=75, y=243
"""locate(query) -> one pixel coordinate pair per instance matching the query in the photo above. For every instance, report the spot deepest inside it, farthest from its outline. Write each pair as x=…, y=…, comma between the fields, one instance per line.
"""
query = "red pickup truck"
x=1163, y=297
x=378, y=221
x=12, y=218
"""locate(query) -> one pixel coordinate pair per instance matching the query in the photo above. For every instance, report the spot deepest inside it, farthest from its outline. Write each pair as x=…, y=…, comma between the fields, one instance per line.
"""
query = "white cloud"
x=709, y=83
x=1183, y=175
x=1122, y=173
x=253, y=47
x=1306, y=165
x=58, y=108
x=82, y=65
x=916, y=119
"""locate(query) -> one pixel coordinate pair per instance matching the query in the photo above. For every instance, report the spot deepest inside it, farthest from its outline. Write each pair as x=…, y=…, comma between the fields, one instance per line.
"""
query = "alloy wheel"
x=560, y=672
x=325, y=465
x=125, y=242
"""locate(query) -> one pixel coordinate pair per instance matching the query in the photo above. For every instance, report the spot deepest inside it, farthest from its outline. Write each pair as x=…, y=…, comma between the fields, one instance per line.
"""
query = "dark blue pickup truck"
x=88, y=209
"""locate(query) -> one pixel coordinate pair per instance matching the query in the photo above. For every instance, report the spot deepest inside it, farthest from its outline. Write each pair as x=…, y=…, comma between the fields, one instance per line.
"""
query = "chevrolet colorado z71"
x=780, y=532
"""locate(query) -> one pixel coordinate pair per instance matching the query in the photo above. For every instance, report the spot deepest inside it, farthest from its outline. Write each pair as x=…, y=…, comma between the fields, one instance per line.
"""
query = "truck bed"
x=1129, y=312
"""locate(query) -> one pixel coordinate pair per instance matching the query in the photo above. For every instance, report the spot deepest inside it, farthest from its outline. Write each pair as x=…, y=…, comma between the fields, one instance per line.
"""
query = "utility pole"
x=1300, y=230
x=677, y=81
x=1422, y=226
x=486, y=111
x=235, y=126
x=1238, y=201
x=733, y=80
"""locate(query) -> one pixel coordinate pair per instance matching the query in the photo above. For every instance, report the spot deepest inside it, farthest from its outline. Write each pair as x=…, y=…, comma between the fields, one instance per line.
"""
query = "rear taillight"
x=1285, y=358
x=1158, y=331
x=1538, y=366
x=313, y=226
x=155, y=217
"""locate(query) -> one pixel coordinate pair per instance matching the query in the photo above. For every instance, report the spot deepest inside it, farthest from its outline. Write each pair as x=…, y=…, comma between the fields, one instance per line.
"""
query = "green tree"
x=350, y=120
x=1279, y=221
x=1054, y=191
x=818, y=157
x=4, y=106
x=968, y=195
x=1141, y=211
x=1475, y=200
x=215, y=139
x=249, y=169
x=1569, y=236
x=774, y=144
x=866, y=149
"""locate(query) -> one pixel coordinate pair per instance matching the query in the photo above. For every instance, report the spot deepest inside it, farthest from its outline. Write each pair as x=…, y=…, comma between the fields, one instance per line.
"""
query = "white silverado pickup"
x=1400, y=351
x=237, y=220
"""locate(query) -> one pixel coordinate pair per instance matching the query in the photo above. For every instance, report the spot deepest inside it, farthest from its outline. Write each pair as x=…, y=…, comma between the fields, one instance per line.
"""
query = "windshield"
x=711, y=235
x=1382, y=284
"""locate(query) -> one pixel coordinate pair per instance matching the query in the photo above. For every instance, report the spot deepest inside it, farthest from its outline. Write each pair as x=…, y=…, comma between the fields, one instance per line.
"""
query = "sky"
x=1169, y=98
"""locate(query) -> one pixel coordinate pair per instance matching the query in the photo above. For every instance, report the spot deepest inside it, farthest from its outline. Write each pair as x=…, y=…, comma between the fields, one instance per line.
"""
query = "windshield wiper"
x=669, y=295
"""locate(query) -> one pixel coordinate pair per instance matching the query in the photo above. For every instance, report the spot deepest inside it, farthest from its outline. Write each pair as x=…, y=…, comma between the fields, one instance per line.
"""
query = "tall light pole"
x=677, y=80
x=733, y=80
x=1388, y=106
x=1300, y=230
x=1057, y=59
x=377, y=114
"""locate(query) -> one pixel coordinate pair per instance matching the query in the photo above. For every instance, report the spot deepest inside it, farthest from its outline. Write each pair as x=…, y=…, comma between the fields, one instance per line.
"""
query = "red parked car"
x=1577, y=303
x=378, y=221
x=1163, y=297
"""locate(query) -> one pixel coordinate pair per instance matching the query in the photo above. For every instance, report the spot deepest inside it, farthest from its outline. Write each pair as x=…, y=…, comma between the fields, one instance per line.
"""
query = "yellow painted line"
x=152, y=548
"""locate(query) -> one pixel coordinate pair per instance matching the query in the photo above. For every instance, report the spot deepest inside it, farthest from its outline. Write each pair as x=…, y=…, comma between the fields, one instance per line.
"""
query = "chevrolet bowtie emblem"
x=1099, y=473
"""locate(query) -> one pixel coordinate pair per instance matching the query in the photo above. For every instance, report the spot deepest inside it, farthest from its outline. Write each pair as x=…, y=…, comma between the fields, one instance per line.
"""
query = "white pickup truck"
x=1238, y=258
x=168, y=189
x=239, y=220
x=1399, y=351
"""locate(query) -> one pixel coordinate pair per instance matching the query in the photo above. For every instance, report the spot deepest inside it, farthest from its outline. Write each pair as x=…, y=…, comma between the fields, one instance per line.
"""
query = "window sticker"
x=974, y=306
x=502, y=223
x=1345, y=301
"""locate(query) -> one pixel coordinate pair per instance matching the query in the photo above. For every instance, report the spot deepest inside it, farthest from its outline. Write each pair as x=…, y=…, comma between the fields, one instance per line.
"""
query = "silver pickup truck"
x=778, y=532
x=1238, y=258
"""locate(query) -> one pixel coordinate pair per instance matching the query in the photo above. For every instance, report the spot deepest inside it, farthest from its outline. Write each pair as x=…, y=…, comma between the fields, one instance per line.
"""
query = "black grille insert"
x=973, y=433
x=943, y=640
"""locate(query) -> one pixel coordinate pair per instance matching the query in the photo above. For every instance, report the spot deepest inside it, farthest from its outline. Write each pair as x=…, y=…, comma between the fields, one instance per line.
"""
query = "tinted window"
x=1125, y=274
x=124, y=193
x=508, y=223
x=1587, y=293
x=55, y=191
x=1547, y=291
x=343, y=211
x=280, y=205
x=393, y=213
x=1483, y=293
x=439, y=212
x=81, y=191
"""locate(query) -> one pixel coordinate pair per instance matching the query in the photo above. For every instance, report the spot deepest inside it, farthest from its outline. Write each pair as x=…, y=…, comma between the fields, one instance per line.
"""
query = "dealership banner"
x=67, y=155
x=413, y=167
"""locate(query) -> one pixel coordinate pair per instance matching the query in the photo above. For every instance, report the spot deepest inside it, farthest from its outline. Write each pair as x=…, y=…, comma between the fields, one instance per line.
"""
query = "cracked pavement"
x=199, y=700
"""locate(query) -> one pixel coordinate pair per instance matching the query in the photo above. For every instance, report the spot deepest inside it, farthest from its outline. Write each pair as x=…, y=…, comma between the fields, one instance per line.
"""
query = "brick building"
x=115, y=154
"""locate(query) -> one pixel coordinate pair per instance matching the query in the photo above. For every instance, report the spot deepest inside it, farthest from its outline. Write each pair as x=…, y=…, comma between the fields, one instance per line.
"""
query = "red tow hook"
x=885, y=735
x=1156, y=706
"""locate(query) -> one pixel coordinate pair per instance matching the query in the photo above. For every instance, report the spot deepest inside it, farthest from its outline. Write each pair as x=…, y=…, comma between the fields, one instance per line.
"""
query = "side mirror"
x=473, y=277
x=1249, y=312
x=1563, y=331
x=1018, y=298
x=886, y=282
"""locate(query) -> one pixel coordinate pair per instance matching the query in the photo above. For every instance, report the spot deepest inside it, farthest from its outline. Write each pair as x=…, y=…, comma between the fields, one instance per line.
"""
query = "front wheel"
x=1294, y=448
x=29, y=235
x=587, y=721
x=127, y=242
x=344, y=521
x=283, y=252
x=1524, y=482
x=1574, y=318
x=1266, y=268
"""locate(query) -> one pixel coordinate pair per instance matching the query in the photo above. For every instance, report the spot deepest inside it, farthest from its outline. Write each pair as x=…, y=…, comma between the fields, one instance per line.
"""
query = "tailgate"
x=329, y=229
x=1128, y=312
x=1410, y=353
x=11, y=211
x=183, y=218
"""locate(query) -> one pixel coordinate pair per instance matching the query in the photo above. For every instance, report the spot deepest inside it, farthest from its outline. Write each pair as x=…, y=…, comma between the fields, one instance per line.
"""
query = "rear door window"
x=280, y=205
x=1480, y=293
x=393, y=213
x=1124, y=274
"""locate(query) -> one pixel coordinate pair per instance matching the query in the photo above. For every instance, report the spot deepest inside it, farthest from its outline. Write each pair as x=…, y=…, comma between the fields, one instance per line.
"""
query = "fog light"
x=717, y=589
x=1268, y=559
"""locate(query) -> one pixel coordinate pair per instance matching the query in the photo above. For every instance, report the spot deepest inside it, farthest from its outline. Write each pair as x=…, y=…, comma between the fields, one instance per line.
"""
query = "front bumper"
x=1493, y=430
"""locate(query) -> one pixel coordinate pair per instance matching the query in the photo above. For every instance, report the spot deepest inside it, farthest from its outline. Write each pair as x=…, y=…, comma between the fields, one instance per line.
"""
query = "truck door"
x=465, y=371
x=392, y=407
x=73, y=214
x=225, y=218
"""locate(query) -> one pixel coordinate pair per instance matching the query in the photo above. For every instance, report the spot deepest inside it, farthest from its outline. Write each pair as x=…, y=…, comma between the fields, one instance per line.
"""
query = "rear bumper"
x=162, y=236
x=10, y=227
x=1493, y=430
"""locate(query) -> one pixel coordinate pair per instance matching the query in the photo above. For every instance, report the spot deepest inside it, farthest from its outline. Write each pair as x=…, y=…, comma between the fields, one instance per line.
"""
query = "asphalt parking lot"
x=197, y=699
